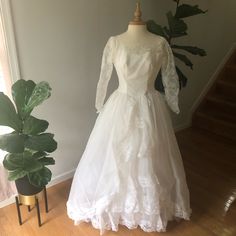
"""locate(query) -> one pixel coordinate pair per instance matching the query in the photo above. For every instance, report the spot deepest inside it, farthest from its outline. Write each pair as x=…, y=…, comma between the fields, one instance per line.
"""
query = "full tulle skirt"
x=131, y=171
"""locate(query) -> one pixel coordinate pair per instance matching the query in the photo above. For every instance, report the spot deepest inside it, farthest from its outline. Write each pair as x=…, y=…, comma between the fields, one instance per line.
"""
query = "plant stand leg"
x=18, y=210
x=38, y=211
x=45, y=199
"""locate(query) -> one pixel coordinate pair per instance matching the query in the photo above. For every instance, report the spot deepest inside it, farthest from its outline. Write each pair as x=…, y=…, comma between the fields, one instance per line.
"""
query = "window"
x=9, y=61
x=3, y=88
x=9, y=72
x=4, y=76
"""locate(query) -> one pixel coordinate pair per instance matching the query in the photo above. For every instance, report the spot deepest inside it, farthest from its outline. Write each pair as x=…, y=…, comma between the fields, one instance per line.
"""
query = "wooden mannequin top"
x=137, y=33
x=137, y=16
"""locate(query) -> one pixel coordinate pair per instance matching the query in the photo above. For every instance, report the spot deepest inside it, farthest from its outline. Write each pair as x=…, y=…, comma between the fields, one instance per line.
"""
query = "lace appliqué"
x=137, y=50
x=169, y=75
x=170, y=78
x=148, y=221
x=141, y=49
x=105, y=74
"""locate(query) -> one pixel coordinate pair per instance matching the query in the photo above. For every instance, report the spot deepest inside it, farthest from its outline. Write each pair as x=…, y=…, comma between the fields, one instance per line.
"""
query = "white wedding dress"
x=131, y=171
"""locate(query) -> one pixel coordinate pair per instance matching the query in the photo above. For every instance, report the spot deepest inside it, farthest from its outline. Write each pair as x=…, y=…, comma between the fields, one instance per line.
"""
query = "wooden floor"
x=210, y=166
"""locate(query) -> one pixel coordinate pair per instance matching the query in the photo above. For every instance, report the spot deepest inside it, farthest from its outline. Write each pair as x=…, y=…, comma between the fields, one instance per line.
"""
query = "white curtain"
x=7, y=189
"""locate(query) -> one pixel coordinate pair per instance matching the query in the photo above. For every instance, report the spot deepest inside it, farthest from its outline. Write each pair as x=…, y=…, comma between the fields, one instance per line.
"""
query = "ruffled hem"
x=112, y=220
x=131, y=172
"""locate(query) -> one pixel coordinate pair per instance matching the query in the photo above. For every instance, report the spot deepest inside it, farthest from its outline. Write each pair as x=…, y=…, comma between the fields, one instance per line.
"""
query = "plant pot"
x=24, y=187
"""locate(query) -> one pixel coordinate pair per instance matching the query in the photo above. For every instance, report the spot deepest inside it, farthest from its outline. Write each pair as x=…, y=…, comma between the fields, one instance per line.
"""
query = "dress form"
x=137, y=33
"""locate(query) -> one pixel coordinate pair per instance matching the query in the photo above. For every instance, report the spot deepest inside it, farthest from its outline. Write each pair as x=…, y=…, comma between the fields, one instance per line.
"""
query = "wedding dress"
x=131, y=171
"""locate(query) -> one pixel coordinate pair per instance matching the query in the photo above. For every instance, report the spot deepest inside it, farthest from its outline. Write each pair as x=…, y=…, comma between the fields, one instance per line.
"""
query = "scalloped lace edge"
x=121, y=218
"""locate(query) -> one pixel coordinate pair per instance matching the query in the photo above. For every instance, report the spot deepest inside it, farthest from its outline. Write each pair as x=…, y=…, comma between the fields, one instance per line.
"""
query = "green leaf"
x=39, y=155
x=12, y=142
x=154, y=28
x=11, y=166
x=42, y=157
x=175, y=35
x=177, y=26
x=21, y=164
x=167, y=32
x=41, y=92
x=184, y=59
x=42, y=142
x=182, y=78
x=186, y=10
x=191, y=49
x=47, y=161
x=24, y=161
x=21, y=92
x=34, y=126
x=17, y=174
x=40, y=178
x=8, y=115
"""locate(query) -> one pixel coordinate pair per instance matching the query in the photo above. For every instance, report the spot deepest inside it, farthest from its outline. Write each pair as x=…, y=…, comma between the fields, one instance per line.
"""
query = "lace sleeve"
x=105, y=74
x=170, y=78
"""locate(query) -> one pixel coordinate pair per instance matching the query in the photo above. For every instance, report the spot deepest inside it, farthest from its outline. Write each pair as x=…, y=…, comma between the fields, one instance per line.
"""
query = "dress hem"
x=147, y=225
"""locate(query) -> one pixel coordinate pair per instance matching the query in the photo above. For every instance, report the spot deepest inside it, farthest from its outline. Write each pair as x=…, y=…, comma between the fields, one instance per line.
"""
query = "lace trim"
x=137, y=50
x=170, y=78
x=152, y=212
x=140, y=49
x=155, y=222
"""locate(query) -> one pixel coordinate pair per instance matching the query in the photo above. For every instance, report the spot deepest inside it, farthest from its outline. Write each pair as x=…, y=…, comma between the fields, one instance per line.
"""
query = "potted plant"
x=177, y=27
x=28, y=145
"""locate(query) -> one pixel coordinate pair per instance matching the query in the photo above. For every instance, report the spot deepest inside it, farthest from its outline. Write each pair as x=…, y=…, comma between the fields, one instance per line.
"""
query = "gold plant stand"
x=32, y=200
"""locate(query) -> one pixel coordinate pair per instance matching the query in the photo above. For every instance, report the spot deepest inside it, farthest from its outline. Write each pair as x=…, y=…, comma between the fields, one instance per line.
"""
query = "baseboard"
x=60, y=178
x=212, y=80
x=7, y=201
x=55, y=180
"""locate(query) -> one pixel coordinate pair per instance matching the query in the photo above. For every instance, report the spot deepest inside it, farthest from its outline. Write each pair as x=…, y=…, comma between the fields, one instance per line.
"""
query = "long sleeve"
x=170, y=78
x=105, y=74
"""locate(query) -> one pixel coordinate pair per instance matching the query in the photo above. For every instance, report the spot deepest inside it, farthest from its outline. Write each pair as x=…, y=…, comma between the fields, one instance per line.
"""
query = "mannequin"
x=137, y=16
x=137, y=33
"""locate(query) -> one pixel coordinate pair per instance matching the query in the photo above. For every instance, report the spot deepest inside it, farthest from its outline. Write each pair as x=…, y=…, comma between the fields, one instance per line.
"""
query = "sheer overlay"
x=131, y=171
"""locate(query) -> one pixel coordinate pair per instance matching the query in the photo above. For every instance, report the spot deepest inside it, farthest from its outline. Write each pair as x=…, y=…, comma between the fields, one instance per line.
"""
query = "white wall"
x=61, y=41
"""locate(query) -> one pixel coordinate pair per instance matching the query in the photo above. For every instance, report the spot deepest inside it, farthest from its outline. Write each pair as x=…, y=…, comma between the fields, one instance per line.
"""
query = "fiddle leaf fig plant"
x=177, y=28
x=28, y=145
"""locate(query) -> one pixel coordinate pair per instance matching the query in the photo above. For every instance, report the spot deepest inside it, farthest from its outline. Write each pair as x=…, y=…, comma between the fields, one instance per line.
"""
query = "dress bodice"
x=137, y=68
